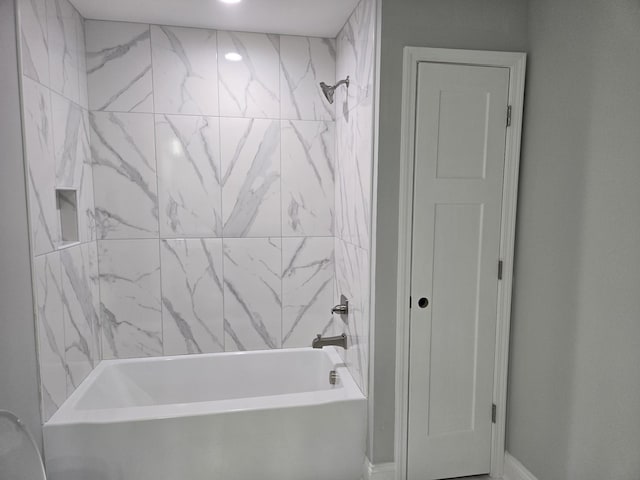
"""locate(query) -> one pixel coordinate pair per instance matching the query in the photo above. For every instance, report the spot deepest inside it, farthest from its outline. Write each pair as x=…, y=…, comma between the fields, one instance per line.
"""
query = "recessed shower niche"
x=67, y=205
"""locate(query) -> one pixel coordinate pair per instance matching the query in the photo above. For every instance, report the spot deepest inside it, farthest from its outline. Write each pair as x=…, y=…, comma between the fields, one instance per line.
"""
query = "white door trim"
x=515, y=62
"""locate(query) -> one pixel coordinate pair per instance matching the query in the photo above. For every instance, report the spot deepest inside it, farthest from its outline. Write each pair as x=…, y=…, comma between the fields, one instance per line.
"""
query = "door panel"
x=459, y=162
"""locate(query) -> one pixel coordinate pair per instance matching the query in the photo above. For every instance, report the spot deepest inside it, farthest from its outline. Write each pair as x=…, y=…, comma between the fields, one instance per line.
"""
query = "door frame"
x=515, y=62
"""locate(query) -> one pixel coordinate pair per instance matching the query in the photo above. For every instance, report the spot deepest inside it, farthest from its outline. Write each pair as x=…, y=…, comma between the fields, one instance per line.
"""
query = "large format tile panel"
x=307, y=289
x=189, y=175
x=130, y=311
x=250, y=154
x=249, y=85
x=124, y=172
x=41, y=171
x=81, y=292
x=50, y=327
x=252, y=293
x=192, y=295
x=34, y=40
x=308, y=178
x=304, y=63
x=119, y=66
x=185, y=70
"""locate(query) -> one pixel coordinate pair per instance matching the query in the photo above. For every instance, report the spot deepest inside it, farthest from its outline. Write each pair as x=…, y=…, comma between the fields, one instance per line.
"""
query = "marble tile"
x=250, y=155
x=124, y=174
x=130, y=311
x=81, y=302
x=304, y=63
x=90, y=256
x=50, y=327
x=86, y=205
x=352, y=280
x=252, y=293
x=119, y=66
x=62, y=22
x=307, y=288
x=249, y=86
x=355, y=49
x=41, y=166
x=185, y=70
x=33, y=39
x=83, y=94
x=308, y=150
x=73, y=159
x=70, y=140
x=354, y=161
x=192, y=293
x=189, y=175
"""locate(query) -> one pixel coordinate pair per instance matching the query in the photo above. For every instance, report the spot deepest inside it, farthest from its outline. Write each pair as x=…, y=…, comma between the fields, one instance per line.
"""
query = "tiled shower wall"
x=56, y=126
x=214, y=188
x=354, y=170
x=214, y=182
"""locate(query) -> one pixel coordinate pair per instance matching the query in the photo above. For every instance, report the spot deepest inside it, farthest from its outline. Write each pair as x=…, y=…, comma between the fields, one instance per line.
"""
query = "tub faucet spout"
x=338, y=341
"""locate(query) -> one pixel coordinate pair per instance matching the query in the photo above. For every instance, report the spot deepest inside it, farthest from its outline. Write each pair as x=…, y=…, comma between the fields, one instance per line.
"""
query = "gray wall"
x=469, y=24
x=574, y=393
x=18, y=374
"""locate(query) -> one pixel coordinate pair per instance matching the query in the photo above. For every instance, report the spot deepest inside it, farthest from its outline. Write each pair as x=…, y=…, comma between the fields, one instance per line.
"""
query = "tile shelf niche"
x=67, y=205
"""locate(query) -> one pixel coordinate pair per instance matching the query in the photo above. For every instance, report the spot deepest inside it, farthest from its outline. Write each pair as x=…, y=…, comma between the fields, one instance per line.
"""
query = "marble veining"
x=41, y=175
x=249, y=87
x=185, y=71
x=352, y=279
x=308, y=178
x=80, y=297
x=189, y=175
x=50, y=328
x=307, y=288
x=354, y=176
x=124, y=169
x=356, y=58
x=119, y=66
x=192, y=292
x=73, y=159
x=63, y=21
x=250, y=155
x=355, y=54
x=34, y=40
x=304, y=63
x=130, y=305
x=252, y=293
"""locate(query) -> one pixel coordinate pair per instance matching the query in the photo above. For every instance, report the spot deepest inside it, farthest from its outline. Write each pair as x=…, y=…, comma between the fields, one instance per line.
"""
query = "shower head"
x=330, y=90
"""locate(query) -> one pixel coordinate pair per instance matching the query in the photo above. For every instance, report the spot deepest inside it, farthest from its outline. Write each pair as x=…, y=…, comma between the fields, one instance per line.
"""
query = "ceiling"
x=317, y=18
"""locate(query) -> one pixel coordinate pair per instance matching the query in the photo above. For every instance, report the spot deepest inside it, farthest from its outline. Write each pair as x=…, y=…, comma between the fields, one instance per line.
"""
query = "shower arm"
x=342, y=82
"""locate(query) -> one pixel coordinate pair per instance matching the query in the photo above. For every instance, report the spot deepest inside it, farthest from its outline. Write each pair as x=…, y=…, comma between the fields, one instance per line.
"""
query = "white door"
x=461, y=121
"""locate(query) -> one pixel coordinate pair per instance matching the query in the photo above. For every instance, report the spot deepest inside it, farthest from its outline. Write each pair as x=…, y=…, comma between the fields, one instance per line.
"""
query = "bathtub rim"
x=69, y=415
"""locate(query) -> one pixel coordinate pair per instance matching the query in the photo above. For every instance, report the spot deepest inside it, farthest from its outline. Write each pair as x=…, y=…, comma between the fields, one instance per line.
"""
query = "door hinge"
x=499, y=269
x=493, y=413
x=508, y=115
x=409, y=301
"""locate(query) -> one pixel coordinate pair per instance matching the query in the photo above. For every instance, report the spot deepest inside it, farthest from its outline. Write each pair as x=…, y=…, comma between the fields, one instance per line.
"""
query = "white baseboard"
x=514, y=470
x=380, y=471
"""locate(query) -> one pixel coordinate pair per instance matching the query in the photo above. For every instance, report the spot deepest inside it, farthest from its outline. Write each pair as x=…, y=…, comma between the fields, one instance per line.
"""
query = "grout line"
x=223, y=338
x=157, y=178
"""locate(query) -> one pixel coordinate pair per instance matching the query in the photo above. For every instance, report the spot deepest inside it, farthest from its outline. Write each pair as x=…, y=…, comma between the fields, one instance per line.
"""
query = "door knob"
x=423, y=302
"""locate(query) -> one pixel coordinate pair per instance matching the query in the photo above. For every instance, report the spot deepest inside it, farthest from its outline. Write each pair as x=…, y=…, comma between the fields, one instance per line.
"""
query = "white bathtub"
x=268, y=415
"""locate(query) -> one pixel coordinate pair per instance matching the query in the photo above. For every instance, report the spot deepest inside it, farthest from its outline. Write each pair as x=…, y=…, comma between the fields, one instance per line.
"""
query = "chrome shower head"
x=329, y=91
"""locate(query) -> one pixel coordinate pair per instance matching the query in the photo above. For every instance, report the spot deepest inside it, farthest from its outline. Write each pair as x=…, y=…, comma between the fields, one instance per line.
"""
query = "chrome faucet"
x=342, y=308
x=338, y=341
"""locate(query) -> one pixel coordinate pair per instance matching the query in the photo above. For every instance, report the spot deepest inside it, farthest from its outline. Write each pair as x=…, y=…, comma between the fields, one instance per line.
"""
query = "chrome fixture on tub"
x=338, y=341
x=342, y=308
x=330, y=90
